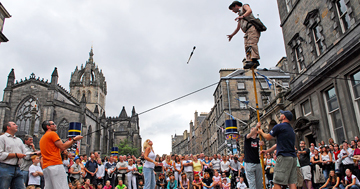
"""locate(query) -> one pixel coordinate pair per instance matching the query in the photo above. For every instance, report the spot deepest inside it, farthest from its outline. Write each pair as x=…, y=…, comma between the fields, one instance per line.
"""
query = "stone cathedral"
x=32, y=100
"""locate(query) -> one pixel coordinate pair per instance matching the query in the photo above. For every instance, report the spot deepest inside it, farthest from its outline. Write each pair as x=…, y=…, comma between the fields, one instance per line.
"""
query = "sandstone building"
x=234, y=88
x=322, y=42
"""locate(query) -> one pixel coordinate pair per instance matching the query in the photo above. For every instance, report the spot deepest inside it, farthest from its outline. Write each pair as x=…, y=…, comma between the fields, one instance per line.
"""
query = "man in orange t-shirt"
x=51, y=147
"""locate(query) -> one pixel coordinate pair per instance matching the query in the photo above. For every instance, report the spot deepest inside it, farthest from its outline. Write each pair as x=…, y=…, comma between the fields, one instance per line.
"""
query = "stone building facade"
x=30, y=101
x=180, y=143
x=234, y=89
x=3, y=14
x=322, y=42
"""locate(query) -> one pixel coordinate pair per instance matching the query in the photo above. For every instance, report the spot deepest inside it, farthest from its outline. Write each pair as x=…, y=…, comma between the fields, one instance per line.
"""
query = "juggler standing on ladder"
x=252, y=27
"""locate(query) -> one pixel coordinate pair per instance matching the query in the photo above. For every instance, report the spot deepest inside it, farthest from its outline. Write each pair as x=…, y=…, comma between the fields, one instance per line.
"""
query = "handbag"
x=271, y=171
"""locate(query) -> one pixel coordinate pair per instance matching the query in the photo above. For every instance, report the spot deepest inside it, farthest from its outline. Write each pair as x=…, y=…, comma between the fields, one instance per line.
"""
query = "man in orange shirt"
x=51, y=147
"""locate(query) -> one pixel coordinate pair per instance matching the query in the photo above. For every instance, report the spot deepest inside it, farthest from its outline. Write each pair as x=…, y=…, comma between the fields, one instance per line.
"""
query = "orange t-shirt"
x=49, y=151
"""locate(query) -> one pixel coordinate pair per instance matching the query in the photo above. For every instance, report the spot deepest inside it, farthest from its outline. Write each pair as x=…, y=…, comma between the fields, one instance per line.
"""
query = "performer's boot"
x=249, y=64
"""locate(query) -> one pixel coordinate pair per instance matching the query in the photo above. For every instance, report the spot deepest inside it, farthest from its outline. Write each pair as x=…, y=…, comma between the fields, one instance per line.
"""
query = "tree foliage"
x=126, y=147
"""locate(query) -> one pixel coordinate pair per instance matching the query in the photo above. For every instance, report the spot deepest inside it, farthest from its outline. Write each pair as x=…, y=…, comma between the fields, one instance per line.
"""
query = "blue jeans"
x=11, y=176
x=26, y=177
x=326, y=174
x=149, y=177
x=207, y=188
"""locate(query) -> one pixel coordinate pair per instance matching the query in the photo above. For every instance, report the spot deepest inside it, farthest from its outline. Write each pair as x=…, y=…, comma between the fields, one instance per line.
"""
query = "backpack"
x=257, y=24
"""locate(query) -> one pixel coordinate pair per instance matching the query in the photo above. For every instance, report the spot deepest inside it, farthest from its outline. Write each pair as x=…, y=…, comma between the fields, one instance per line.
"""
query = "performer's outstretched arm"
x=235, y=32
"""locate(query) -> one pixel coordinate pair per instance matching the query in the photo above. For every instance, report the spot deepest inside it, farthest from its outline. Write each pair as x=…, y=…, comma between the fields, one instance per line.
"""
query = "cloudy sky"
x=142, y=48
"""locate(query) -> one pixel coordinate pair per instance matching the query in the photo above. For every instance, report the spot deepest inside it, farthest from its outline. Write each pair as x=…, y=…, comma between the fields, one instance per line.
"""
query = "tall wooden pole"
x=258, y=119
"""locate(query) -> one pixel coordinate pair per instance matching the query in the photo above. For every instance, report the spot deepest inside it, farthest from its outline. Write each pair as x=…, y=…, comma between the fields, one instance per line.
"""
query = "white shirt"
x=224, y=166
x=34, y=180
x=352, y=177
x=101, y=171
x=121, y=164
x=189, y=168
x=347, y=160
x=66, y=163
x=129, y=168
x=11, y=144
x=241, y=185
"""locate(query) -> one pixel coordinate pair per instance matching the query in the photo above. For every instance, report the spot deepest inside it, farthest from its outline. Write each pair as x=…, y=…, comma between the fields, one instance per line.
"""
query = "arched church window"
x=27, y=117
x=63, y=128
x=92, y=76
x=78, y=95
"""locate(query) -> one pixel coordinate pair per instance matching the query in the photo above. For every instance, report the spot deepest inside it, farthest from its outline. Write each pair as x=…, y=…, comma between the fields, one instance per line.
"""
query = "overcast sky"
x=142, y=46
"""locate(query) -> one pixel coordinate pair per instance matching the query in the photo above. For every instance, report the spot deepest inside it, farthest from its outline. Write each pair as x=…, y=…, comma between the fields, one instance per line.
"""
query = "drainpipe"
x=228, y=92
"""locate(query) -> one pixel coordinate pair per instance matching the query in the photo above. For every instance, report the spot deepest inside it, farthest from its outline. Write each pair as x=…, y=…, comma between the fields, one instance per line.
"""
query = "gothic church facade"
x=30, y=101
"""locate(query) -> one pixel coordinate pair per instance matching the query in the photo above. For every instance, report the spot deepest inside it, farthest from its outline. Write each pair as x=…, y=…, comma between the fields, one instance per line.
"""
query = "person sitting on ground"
x=141, y=184
x=184, y=181
x=223, y=175
x=77, y=184
x=99, y=186
x=172, y=184
x=207, y=181
x=161, y=183
x=333, y=181
x=217, y=180
x=197, y=182
x=87, y=184
x=107, y=185
x=241, y=184
x=121, y=185
x=350, y=180
x=225, y=184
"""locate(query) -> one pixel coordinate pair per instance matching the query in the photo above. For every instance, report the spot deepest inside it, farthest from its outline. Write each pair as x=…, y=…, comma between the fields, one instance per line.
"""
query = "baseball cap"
x=76, y=157
x=287, y=114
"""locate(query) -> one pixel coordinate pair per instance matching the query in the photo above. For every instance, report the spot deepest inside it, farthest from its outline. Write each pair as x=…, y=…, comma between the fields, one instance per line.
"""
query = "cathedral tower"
x=89, y=81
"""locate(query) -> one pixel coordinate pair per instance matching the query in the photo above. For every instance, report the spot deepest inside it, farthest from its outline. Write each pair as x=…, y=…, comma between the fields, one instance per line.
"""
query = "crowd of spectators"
x=329, y=165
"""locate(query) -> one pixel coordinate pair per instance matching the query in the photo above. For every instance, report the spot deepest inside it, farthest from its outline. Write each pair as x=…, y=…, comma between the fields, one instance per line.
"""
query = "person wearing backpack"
x=252, y=27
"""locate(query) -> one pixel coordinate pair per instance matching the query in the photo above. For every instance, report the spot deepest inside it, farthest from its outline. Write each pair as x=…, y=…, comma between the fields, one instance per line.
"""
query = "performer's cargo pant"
x=251, y=39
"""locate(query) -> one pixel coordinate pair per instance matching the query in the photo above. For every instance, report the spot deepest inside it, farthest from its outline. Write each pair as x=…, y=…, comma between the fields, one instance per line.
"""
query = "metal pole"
x=258, y=119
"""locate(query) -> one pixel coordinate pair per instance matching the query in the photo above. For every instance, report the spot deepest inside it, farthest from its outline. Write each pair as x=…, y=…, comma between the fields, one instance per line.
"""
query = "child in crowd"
x=197, y=182
x=207, y=181
x=141, y=184
x=241, y=184
x=87, y=184
x=99, y=186
x=184, y=181
x=77, y=185
x=217, y=180
x=107, y=185
x=225, y=184
x=35, y=172
x=172, y=184
x=121, y=185
x=161, y=183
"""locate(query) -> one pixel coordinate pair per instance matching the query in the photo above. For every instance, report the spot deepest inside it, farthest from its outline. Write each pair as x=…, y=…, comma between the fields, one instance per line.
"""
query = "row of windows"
x=264, y=85
x=332, y=107
x=315, y=31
